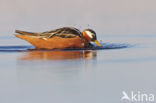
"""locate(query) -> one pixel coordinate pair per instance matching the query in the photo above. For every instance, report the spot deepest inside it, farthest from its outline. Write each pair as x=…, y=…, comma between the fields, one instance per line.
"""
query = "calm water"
x=127, y=63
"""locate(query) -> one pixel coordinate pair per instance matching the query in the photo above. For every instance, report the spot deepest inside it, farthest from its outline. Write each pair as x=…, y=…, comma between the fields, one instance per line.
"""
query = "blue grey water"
x=85, y=76
x=127, y=62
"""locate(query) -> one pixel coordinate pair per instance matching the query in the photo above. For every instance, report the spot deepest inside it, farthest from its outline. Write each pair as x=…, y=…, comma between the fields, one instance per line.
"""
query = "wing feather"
x=65, y=32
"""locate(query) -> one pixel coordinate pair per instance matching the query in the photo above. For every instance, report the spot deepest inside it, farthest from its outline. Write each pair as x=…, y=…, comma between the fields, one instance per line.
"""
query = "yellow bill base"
x=97, y=42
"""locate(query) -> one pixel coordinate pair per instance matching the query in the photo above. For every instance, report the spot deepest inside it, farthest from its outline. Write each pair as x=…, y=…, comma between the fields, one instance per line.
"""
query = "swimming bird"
x=62, y=38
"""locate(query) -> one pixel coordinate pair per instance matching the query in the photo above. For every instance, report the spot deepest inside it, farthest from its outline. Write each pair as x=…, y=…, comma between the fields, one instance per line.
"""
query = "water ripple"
x=31, y=48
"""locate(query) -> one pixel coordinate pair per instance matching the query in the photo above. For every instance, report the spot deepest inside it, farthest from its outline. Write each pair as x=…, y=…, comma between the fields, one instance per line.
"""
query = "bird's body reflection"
x=58, y=55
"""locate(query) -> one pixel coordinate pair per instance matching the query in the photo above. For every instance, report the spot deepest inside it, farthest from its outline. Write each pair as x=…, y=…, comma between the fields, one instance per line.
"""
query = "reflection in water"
x=59, y=55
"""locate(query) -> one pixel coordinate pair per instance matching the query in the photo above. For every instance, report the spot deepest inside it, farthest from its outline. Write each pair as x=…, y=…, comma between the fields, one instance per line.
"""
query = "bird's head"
x=90, y=36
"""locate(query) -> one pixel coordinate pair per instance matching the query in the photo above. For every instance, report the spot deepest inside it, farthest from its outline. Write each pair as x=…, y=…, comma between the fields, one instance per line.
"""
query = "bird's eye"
x=93, y=35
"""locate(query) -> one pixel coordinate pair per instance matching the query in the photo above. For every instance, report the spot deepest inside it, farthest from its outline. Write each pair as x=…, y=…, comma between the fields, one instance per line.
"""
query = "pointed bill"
x=97, y=42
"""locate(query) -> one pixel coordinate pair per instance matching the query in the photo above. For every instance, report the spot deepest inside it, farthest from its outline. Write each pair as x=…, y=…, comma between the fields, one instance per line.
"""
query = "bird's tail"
x=25, y=33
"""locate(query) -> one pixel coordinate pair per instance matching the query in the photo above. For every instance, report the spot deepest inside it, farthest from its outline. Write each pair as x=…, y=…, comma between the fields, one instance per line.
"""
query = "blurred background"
x=107, y=17
x=94, y=76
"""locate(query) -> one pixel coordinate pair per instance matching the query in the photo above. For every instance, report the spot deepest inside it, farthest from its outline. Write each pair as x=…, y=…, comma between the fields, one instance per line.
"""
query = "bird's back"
x=65, y=32
x=67, y=37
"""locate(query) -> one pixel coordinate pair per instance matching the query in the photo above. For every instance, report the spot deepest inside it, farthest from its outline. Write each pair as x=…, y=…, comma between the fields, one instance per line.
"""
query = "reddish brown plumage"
x=55, y=42
x=62, y=38
x=86, y=36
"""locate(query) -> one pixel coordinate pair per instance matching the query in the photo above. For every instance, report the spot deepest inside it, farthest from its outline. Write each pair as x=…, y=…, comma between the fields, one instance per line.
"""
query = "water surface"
x=125, y=63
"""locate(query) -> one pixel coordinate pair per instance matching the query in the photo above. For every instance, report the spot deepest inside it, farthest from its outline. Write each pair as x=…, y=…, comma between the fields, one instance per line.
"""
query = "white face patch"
x=89, y=34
